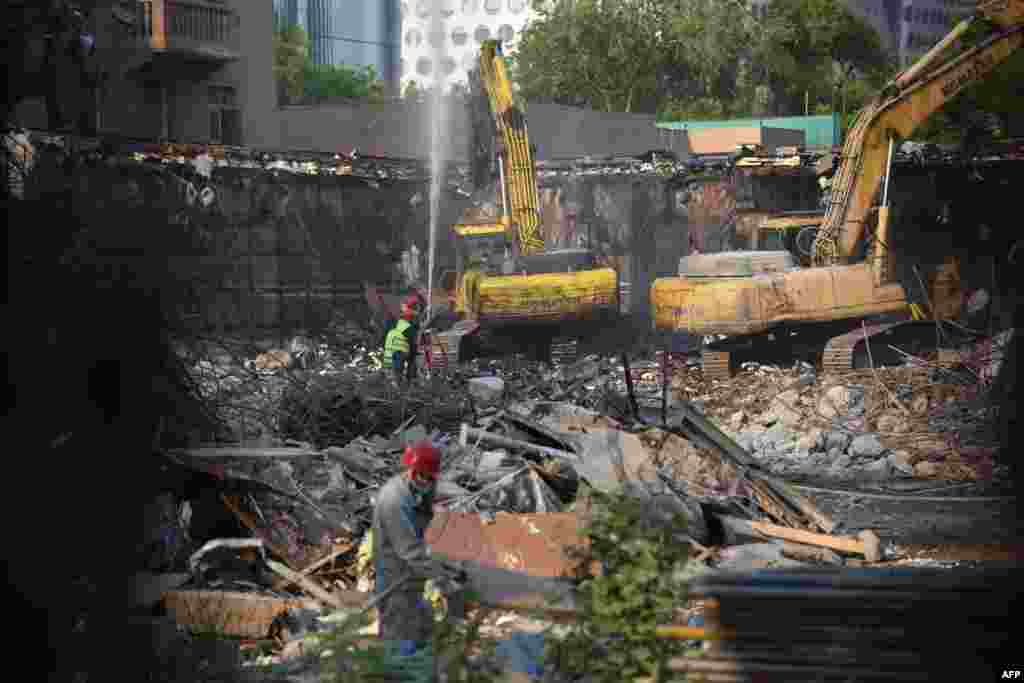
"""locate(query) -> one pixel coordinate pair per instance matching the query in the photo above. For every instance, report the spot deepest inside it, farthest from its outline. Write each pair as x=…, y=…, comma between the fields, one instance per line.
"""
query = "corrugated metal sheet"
x=820, y=131
x=534, y=544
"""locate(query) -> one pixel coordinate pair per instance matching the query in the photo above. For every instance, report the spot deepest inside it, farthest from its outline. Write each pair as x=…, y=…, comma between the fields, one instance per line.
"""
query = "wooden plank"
x=306, y=584
x=801, y=503
x=338, y=551
x=245, y=615
x=250, y=524
x=866, y=543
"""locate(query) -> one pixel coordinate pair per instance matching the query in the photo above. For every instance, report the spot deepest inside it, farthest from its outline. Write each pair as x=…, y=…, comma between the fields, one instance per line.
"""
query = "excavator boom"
x=901, y=107
x=518, y=169
x=748, y=293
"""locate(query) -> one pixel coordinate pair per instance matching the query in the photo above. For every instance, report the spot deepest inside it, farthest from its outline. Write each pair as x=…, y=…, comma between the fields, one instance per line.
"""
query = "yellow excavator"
x=743, y=294
x=508, y=292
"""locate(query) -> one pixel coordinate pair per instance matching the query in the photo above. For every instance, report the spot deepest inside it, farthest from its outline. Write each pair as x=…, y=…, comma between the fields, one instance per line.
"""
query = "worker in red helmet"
x=400, y=344
x=403, y=511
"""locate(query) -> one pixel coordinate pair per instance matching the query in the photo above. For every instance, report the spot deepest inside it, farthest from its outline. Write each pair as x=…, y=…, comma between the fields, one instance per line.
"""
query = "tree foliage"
x=808, y=51
x=601, y=54
x=300, y=79
x=291, y=50
x=696, y=58
x=989, y=109
x=642, y=582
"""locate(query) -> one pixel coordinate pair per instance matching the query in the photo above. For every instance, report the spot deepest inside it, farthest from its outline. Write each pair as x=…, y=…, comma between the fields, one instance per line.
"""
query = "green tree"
x=986, y=110
x=601, y=54
x=322, y=81
x=299, y=78
x=707, y=71
x=809, y=51
x=291, y=50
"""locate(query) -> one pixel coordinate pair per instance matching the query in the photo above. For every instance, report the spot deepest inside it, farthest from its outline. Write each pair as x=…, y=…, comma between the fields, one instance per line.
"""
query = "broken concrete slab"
x=902, y=461
x=783, y=410
x=839, y=400
x=752, y=556
x=879, y=470
x=866, y=446
x=486, y=390
x=611, y=457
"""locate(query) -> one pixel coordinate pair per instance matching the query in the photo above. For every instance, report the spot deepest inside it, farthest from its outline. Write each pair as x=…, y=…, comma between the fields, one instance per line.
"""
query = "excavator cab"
x=792, y=231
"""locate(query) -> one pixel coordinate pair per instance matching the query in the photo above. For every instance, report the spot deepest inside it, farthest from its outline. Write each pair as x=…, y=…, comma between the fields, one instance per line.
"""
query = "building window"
x=516, y=6
x=506, y=33
x=908, y=14
x=481, y=34
x=423, y=9
x=447, y=66
x=413, y=37
x=492, y=6
x=424, y=66
x=470, y=6
x=459, y=36
x=405, y=10
x=225, y=116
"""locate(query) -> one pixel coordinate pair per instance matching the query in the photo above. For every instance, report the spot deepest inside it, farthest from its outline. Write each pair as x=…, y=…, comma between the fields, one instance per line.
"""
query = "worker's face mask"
x=422, y=489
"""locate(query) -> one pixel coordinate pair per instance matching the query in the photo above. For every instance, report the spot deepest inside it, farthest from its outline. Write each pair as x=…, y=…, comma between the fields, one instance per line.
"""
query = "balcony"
x=203, y=31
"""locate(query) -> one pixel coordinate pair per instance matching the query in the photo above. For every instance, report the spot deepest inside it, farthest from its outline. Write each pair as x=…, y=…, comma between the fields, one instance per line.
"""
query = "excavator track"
x=841, y=352
x=716, y=364
x=564, y=351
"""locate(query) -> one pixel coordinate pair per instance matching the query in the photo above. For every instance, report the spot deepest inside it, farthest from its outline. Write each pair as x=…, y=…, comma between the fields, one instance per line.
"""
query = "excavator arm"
x=903, y=106
x=515, y=158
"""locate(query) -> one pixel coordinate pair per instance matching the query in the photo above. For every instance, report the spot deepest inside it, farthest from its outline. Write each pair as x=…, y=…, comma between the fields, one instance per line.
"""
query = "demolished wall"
x=294, y=241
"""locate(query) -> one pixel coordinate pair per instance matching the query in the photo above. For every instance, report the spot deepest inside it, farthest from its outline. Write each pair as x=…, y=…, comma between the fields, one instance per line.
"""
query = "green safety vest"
x=396, y=341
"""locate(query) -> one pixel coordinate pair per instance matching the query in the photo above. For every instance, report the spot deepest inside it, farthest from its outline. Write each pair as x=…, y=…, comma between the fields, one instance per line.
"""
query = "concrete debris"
x=902, y=462
x=486, y=390
x=866, y=446
x=522, y=442
x=753, y=556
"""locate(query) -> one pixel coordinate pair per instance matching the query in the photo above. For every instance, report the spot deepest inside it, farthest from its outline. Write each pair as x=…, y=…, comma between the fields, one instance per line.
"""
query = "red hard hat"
x=422, y=459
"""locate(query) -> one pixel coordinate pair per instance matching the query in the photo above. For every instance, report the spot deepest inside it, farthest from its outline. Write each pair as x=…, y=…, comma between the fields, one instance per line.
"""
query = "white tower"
x=466, y=23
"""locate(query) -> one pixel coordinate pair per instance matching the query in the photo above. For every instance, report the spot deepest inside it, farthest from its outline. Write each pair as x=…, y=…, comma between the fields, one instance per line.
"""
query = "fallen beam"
x=697, y=428
x=229, y=613
x=866, y=543
x=799, y=551
x=498, y=440
x=306, y=584
x=285, y=582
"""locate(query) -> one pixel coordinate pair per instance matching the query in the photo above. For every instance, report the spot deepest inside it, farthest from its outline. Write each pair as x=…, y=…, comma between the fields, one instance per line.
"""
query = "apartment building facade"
x=160, y=69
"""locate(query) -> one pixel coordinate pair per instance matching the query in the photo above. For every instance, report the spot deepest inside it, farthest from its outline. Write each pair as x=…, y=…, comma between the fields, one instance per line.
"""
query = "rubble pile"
x=523, y=445
x=918, y=419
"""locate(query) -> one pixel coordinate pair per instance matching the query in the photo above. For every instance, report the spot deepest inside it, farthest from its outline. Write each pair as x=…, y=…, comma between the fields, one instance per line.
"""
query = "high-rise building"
x=352, y=32
x=924, y=22
x=453, y=51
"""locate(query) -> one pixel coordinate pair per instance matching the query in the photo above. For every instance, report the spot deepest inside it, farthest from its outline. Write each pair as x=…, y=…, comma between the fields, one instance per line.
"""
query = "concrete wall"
x=722, y=211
